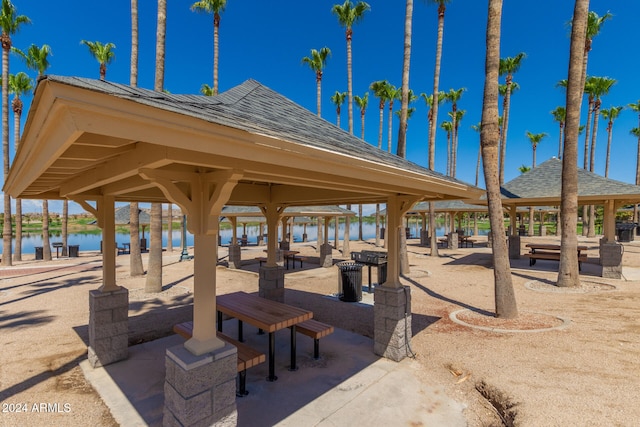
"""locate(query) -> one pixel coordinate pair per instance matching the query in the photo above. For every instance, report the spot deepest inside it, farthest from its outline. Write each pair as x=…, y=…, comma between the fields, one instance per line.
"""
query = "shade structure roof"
x=301, y=214
x=543, y=186
x=86, y=138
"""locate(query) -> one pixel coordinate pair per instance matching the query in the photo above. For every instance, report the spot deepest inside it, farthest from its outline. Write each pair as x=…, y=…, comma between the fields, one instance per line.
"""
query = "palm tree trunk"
x=170, y=227
x=390, y=126
x=377, y=224
x=490, y=135
x=434, y=110
x=380, y=129
x=216, y=31
x=505, y=127
x=560, y=142
x=402, y=128
x=17, y=255
x=319, y=95
x=6, y=226
x=154, y=275
x=65, y=228
x=609, y=134
x=135, y=256
x=349, y=82
x=360, y=222
x=46, y=244
x=133, y=80
x=592, y=163
x=478, y=165
x=568, y=274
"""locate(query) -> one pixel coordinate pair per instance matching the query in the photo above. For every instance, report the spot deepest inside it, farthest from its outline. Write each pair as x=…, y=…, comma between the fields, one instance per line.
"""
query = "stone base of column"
x=108, y=326
x=304, y=237
x=392, y=322
x=200, y=390
x=611, y=260
x=271, y=283
x=452, y=241
x=326, y=257
x=514, y=247
x=235, y=256
x=424, y=238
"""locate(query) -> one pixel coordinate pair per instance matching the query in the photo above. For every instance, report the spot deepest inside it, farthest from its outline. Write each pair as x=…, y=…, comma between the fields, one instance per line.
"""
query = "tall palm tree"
x=478, y=128
x=338, y=99
x=601, y=87
x=154, y=270
x=215, y=7
x=393, y=93
x=317, y=61
x=349, y=14
x=559, y=115
x=19, y=84
x=594, y=25
x=508, y=66
x=379, y=89
x=135, y=256
x=103, y=53
x=362, y=103
x=401, y=150
x=453, y=96
x=610, y=115
x=505, y=300
x=535, y=139
x=447, y=126
x=10, y=23
x=588, y=89
x=636, y=107
x=502, y=91
x=568, y=274
x=457, y=118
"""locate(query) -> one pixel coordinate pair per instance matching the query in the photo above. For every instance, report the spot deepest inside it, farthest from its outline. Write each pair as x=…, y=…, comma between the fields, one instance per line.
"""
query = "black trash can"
x=73, y=251
x=39, y=252
x=522, y=231
x=351, y=274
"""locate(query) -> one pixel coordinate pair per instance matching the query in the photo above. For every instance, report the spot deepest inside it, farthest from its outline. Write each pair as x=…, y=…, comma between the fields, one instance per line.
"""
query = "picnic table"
x=288, y=255
x=267, y=315
x=550, y=251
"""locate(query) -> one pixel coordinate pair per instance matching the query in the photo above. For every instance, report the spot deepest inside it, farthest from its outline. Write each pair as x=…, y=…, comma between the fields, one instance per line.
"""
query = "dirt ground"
x=583, y=370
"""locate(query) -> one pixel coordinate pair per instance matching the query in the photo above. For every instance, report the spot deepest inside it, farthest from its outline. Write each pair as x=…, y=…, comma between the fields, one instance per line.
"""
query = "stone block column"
x=392, y=322
x=235, y=256
x=514, y=247
x=271, y=283
x=200, y=390
x=424, y=238
x=452, y=241
x=611, y=259
x=326, y=257
x=108, y=326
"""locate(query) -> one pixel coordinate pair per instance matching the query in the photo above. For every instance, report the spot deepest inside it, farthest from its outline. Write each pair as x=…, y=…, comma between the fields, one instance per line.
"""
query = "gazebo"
x=96, y=141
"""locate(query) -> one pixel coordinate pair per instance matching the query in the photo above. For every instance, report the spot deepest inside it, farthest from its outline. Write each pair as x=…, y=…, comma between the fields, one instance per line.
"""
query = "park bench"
x=316, y=330
x=553, y=256
x=247, y=356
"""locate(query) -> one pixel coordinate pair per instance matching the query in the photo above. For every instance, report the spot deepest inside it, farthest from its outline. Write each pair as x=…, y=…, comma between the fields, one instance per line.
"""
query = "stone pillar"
x=326, y=256
x=271, y=283
x=452, y=241
x=235, y=256
x=108, y=326
x=611, y=259
x=304, y=237
x=392, y=322
x=514, y=247
x=543, y=230
x=424, y=237
x=200, y=390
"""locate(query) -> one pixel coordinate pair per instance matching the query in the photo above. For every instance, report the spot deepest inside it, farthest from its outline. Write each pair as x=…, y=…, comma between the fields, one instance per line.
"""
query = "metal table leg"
x=272, y=357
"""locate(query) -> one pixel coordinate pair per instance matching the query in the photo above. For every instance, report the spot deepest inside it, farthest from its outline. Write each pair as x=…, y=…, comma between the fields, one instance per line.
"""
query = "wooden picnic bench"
x=247, y=356
x=316, y=330
x=551, y=252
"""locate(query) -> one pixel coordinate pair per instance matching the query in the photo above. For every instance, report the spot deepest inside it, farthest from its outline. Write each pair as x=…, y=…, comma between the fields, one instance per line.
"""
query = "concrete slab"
x=348, y=385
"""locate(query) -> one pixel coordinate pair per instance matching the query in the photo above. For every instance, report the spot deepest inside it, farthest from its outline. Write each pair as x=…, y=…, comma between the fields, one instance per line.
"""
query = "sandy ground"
x=583, y=373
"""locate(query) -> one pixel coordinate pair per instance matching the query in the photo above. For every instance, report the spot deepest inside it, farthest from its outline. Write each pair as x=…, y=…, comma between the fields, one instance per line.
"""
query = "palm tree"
x=447, y=126
x=535, y=139
x=19, y=84
x=215, y=7
x=379, y=89
x=317, y=61
x=478, y=128
x=502, y=91
x=559, y=115
x=594, y=25
x=505, y=300
x=338, y=99
x=457, y=118
x=10, y=23
x=610, y=114
x=453, y=96
x=347, y=15
x=206, y=90
x=103, y=53
x=588, y=89
x=508, y=66
x=362, y=103
x=393, y=93
x=524, y=169
x=404, y=92
x=135, y=257
x=568, y=274
x=154, y=270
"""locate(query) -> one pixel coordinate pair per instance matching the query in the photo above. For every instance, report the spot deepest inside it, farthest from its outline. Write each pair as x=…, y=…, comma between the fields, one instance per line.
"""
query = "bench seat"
x=553, y=256
x=247, y=356
x=316, y=330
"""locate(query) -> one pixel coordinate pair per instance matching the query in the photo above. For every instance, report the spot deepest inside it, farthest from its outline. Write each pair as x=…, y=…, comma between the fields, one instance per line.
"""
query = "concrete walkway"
x=348, y=385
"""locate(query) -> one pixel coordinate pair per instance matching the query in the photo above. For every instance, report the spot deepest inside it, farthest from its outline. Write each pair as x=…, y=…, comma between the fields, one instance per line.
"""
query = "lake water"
x=91, y=242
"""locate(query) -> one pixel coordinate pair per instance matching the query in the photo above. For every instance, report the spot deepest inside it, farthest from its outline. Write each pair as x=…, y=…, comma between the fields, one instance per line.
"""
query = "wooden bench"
x=316, y=330
x=553, y=256
x=247, y=356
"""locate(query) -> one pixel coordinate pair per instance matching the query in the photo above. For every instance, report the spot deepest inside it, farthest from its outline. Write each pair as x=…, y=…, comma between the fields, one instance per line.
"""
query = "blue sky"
x=266, y=41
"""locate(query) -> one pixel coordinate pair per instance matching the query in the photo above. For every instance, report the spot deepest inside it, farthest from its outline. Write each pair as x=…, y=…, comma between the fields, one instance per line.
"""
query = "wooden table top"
x=262, y=313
